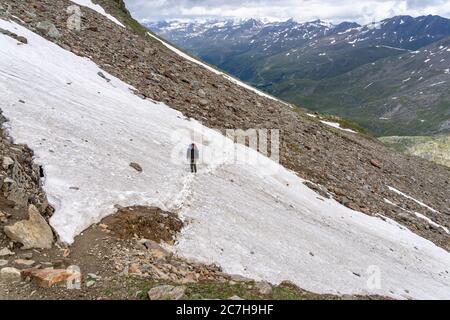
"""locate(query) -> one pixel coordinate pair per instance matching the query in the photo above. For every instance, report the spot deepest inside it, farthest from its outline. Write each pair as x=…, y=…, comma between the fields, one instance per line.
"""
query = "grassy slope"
x=435, y=148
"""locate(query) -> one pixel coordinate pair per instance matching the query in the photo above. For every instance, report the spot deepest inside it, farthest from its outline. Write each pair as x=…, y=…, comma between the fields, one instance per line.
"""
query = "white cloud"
x=302, y=10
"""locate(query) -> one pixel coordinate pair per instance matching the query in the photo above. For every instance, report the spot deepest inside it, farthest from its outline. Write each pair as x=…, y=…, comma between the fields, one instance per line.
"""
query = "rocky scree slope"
x=354, y=169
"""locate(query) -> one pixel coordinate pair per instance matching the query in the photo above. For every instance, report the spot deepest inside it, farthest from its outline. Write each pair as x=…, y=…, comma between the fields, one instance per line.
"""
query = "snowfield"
x=254, y=219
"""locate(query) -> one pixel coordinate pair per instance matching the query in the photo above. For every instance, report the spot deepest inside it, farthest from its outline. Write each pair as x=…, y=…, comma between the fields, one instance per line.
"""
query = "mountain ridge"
x=303, y=63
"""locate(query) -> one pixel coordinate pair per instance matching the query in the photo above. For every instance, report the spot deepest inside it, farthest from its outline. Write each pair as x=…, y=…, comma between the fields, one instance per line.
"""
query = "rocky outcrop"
x=21, y=186
x=32, y=233
x=20, y=178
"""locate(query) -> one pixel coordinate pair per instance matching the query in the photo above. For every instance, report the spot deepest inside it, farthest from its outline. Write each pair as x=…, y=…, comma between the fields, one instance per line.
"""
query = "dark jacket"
x=192, y=153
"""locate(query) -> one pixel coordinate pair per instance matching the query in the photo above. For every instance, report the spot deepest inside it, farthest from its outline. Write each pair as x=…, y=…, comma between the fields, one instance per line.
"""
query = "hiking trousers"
x=193, y=167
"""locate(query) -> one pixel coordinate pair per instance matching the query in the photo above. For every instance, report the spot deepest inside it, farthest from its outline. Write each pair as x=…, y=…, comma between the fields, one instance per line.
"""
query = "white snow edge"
x=99, y=9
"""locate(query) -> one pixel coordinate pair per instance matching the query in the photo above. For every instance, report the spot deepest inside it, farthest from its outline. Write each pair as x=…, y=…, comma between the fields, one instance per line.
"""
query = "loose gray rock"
x=136, y=166
x=48, y=28
x=10, y=275
x=101, y=75
x=264, y=288
x=201, y=93
x=7, y=162
x=156, y=250
x=6, y=252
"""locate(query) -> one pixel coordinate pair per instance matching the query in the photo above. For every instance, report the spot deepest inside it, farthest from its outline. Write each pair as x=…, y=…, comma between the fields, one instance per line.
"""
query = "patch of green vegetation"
x=244, y=290
x=343, y=123
x=432, y=148
x=118, y=9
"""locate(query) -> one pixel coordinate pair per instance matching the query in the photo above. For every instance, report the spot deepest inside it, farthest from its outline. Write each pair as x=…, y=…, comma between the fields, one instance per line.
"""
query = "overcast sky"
x=362, y=11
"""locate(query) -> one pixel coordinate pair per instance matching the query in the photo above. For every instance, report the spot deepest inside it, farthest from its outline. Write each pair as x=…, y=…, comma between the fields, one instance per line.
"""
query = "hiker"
x=192, y=156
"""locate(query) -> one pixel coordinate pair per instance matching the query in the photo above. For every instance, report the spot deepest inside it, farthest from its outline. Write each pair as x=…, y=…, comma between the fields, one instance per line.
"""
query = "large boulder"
x=32, y=233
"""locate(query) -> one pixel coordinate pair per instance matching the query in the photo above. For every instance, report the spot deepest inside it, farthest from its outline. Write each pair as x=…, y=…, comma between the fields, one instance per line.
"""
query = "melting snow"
x=420, y=216
x=370, y=84
x=99, y=9
x=255, y=219
x=411, y=198
x=437, y=83
x=337, y=126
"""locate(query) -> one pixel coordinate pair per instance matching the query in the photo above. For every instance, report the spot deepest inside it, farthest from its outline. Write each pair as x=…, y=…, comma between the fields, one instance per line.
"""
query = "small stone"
x=201, y=93
x=134, y=269
x=235, y=297
x=6, y=252
x=136, y=166
x=90, y=283
x=264, y=288
x=93, y=276
x=375, y=163
x=156, y=250
x=7, y=162
x=24, y=262
x=60, y=263
x=3, y=263
x=10, y=275
x=101, y=75
x=166, y=292
x=27, y=255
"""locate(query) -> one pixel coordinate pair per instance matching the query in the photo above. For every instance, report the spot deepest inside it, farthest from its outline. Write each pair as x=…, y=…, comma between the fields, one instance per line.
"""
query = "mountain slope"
x=98, y=118
x=321, y=66
x=435, y=148
x=232, y=208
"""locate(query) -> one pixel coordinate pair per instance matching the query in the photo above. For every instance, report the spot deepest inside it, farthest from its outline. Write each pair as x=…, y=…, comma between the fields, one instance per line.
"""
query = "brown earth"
x=143, y=222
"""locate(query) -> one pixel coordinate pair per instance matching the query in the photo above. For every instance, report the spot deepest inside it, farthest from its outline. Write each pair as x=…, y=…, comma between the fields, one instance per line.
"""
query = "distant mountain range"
x=392, y=77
